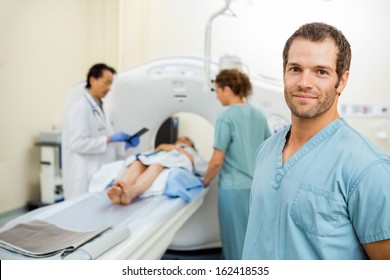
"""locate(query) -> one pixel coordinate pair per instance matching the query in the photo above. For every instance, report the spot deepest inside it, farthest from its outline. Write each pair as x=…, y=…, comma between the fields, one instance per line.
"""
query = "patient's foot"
x=128, y=193
x=114, y=193
x=121, y=193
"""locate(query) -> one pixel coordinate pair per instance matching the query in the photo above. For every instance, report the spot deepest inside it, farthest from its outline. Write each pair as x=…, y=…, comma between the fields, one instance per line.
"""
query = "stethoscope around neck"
x=97, y=114
x=94, y=107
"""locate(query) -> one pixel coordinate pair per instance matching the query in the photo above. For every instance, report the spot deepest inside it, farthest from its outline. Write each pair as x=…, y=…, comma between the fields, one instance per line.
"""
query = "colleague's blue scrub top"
x=239, y=131
x=330, y=197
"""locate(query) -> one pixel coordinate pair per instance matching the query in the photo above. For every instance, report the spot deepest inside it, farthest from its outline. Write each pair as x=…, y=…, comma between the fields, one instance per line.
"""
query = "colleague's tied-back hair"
x=317, y=32
x=237, y=81
x=96, y=71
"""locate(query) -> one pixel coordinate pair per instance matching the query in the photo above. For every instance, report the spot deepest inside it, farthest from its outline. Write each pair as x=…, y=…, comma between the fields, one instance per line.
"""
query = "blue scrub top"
x=330, y=197
x=239, y=131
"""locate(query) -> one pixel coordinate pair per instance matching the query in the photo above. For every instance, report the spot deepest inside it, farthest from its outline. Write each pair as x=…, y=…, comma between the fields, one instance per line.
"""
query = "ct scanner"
x=145, y=97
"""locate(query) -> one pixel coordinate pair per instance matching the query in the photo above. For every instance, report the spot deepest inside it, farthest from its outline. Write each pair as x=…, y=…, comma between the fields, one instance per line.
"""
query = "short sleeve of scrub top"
x=368, y=206
x=223, y=135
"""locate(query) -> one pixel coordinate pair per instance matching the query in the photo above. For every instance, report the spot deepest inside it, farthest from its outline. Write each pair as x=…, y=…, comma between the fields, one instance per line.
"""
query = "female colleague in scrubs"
x=239, y=131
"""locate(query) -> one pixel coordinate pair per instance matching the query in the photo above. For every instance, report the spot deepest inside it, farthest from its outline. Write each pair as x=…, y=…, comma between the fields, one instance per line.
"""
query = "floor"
x=5, y=217
x=31, y=205
x=206, y=254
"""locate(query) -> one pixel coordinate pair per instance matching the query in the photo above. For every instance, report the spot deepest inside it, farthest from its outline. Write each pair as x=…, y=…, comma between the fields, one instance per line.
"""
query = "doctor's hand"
x=132, y=143
x=119, y=137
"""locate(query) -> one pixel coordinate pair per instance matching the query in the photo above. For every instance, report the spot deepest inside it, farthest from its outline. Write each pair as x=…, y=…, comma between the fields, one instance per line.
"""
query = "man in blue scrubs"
x=320, y=189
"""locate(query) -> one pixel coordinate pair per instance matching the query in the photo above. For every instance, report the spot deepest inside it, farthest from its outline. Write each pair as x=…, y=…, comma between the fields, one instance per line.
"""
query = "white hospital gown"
x=172, y=159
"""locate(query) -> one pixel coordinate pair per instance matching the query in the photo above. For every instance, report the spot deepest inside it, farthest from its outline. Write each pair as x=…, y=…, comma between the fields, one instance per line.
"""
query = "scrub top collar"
x=323, y=134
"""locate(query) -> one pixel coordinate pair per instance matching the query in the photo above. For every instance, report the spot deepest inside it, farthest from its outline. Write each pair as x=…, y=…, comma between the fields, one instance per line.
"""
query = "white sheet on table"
x=107, y=240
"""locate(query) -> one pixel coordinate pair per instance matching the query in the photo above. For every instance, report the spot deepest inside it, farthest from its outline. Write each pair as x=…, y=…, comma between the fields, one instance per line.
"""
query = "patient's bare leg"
x=143, y=182
x=133, y=172
x=128, y=178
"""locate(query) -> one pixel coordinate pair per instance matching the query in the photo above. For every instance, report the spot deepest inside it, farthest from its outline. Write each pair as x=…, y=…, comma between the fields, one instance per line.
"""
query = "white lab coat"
x=85, y=145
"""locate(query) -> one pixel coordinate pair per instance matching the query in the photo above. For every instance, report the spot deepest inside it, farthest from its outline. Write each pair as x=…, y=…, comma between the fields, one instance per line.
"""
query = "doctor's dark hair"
x=237, y=81
x=96, y=72
x=318, y=32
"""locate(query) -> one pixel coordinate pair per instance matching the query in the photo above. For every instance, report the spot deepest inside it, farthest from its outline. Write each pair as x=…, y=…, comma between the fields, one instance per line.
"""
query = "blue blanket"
x=182, y=183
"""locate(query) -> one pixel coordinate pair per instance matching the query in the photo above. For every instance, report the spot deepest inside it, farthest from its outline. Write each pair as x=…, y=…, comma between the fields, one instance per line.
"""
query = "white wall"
x=48, y=45
x=260, y=28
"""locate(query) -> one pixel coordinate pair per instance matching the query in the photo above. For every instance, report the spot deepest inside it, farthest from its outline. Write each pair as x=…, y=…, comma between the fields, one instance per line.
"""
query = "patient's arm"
x=215, y=165
x=379, y=250
x=187, y=154
x=165, y=147
x=170, y=147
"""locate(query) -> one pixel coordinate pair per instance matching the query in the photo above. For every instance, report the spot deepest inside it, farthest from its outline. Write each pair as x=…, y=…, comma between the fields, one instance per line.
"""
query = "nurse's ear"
x=92, y=81
x=228, y=91
x=343, y=82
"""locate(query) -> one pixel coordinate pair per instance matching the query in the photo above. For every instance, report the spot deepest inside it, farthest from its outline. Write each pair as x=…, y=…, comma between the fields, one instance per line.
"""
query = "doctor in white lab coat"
x=89, y=140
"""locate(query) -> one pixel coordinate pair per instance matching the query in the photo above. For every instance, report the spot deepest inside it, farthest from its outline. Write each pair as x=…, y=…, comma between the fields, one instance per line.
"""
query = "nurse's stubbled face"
x=310, y=78
x=102, y=85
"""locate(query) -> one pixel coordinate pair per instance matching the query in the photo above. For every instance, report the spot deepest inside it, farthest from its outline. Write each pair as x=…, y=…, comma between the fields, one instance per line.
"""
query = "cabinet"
x=50, y=176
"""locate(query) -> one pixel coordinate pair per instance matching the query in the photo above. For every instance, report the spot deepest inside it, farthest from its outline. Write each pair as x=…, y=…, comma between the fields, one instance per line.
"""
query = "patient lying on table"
x=145, y=168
